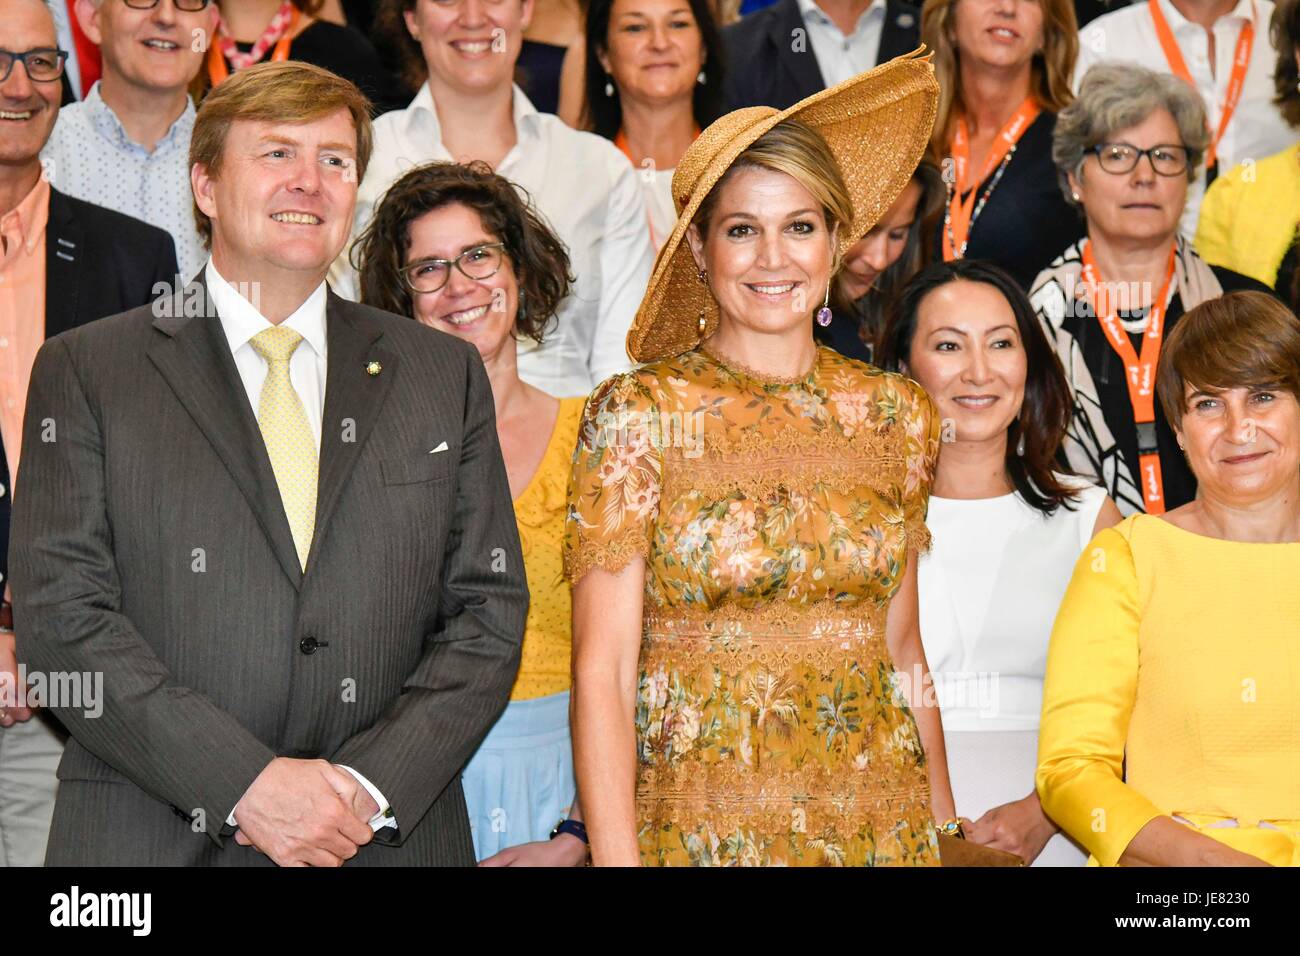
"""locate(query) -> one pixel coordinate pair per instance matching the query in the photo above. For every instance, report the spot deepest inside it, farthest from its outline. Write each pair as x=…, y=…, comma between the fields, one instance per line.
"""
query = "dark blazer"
x=765, y=69
x=97, y=262
x=150, y=544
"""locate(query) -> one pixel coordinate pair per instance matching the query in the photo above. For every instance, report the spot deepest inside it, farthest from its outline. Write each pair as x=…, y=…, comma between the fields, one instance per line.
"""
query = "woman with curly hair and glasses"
x=456, y=248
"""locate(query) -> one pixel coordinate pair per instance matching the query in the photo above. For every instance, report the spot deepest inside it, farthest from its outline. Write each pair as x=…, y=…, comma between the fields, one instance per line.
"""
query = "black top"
x=360, y=14
x=1026, y=222
x=1112, y=390
x=538, y=73
x=1085, y=11
x=346, y=52
x=843, y=336
x=97, y=263
x=769, y=65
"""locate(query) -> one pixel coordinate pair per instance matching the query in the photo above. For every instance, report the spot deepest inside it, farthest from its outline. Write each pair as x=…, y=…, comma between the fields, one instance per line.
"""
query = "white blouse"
x=989, y=591
x=591, y=197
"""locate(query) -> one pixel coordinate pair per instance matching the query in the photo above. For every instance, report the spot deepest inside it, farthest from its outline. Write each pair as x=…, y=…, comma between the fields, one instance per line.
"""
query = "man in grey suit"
x=278, y=525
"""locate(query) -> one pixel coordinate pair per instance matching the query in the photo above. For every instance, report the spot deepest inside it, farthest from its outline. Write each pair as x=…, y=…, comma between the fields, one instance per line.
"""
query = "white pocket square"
x=442, y=446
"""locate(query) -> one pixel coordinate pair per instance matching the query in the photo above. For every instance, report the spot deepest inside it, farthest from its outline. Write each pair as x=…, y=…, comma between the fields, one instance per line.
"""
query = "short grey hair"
x=1115, y=96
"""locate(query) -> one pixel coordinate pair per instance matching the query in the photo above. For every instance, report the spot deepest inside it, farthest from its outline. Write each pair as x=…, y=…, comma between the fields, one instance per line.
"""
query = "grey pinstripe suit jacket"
x=149, y=544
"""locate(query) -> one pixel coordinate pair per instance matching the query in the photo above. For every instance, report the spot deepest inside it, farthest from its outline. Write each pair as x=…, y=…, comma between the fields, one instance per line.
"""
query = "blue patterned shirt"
x=91, y=157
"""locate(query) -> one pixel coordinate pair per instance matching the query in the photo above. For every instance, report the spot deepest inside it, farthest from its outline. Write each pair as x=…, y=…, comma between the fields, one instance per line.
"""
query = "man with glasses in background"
x=127, y=144
x=62, y=263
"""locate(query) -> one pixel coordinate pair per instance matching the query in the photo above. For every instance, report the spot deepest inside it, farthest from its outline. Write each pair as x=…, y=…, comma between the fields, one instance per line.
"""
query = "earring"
x=703, y=275
x=609, y=85
x=824, y=313
x=1181, y=446
x=1020, y=446
x=701, y=78
x=1074, y=196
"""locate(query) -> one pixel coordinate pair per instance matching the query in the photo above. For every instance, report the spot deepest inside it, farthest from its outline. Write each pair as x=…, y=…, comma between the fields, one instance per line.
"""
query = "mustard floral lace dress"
x=775, y=519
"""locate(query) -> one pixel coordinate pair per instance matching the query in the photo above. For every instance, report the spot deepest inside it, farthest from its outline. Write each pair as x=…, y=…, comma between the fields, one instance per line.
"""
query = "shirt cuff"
x=384, y=818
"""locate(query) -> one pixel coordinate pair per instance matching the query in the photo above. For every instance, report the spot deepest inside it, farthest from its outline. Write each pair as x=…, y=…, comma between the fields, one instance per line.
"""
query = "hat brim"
x=877, y=125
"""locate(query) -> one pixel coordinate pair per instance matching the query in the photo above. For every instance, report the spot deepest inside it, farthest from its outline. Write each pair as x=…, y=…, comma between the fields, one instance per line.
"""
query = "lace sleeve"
x=615, y=480
x=920, y=458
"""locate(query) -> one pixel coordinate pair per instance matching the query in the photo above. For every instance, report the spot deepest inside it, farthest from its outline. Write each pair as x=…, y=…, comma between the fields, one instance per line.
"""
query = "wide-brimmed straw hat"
x=877, y=125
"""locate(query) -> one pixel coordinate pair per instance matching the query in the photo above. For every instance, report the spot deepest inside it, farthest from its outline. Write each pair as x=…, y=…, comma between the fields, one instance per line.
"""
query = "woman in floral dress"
x=745, y=512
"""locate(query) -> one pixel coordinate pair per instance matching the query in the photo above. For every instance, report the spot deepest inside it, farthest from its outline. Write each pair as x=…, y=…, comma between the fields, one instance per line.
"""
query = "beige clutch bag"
x=954, y=851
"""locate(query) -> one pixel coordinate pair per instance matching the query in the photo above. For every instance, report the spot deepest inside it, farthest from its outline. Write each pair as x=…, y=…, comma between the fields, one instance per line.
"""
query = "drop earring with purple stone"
x=824, y=313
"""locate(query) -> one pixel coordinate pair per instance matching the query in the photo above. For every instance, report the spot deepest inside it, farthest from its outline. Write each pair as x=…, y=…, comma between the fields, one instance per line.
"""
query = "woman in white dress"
x=1008, y=529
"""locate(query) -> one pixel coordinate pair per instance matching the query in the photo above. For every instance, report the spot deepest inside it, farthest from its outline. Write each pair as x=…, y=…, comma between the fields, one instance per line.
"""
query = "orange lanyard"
x=1236, y=79
x=1140, y=371
x=961, y=211
x=219, y=72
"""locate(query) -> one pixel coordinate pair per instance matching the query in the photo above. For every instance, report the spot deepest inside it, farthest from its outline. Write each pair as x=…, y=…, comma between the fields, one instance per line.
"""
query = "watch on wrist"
x=575, y=827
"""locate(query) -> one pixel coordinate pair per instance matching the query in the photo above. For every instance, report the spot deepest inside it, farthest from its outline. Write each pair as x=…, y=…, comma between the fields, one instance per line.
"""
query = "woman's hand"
x=1019, y=827
x=565, y=850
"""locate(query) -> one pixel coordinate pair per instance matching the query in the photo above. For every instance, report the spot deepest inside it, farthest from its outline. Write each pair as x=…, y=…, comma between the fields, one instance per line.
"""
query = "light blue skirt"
x=520, y=782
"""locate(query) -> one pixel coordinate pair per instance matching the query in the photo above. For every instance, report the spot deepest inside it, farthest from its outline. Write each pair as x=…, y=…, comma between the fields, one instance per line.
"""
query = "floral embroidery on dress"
x=775, y=519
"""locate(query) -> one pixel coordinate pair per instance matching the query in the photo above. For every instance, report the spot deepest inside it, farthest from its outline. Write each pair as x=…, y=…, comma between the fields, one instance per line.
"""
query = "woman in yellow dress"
x=745, y=514
x=456, y=248
x=1170, y=733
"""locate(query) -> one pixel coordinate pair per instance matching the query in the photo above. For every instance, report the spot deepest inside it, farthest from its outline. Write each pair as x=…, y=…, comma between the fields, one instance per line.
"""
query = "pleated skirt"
x=520, y=783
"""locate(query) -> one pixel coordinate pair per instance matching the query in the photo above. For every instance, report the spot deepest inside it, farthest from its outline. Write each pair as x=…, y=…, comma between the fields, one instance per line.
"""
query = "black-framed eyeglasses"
x=186, y=6
x=430, y=275
x=42, y=65
x=1121, y=158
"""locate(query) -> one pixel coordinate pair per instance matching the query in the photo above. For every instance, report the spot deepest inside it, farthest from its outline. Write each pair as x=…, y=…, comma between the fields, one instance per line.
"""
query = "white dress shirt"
x=90, y=157
x=241, y=320
x=1256, y=129
x=661, y=211
x=839, y=56
x=588, y=192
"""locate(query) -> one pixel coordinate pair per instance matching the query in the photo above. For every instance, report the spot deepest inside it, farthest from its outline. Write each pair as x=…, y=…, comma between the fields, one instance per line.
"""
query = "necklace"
x=979, y=206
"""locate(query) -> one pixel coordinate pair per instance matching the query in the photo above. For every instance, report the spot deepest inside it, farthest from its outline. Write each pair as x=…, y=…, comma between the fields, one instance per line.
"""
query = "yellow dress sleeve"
x=920, y=457
x=1214, y=223
x=616, y=476
x=1088, y=695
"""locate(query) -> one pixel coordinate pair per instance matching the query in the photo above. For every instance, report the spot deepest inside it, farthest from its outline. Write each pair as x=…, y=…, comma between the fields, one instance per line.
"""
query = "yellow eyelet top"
x=539, y=515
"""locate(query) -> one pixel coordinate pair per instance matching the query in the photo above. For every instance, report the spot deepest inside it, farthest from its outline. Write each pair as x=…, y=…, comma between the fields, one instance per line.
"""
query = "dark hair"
x=539, y=259
x=1045, y=411
x=871, y=310
x=604, y=114
x=390, y=29
x=1238, y=340
x=1285, y=33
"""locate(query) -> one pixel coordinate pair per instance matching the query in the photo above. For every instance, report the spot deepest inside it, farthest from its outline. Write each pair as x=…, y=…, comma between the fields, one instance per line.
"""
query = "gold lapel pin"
x=373, y=368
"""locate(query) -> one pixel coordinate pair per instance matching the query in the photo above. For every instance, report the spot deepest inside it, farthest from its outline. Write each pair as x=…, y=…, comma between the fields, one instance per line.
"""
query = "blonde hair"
x=799, y=151
x=285, y=92
x=1052, y=70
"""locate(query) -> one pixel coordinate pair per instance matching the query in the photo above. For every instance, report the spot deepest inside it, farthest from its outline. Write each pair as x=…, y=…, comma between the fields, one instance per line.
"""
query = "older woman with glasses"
x=457, y=249
x=1126, y=151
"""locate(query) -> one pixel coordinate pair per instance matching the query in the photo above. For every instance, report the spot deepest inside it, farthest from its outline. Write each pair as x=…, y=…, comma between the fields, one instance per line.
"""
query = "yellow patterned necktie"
x=288, y=436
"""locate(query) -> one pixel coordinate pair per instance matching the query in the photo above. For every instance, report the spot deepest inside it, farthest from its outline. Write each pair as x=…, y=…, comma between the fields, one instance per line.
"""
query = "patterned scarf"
x=269, y=38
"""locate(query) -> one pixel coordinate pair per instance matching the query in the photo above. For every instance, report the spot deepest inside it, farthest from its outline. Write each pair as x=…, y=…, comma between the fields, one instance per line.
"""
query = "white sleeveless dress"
x=989, y=591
